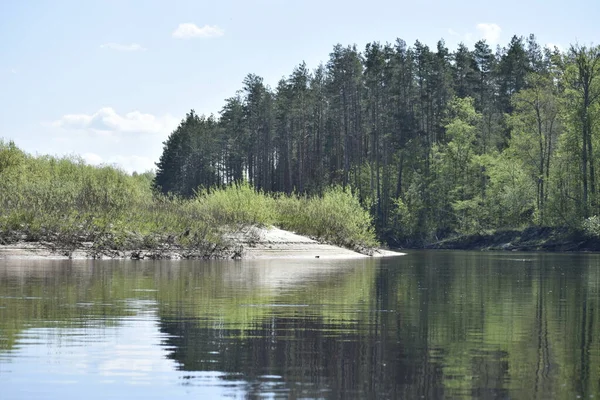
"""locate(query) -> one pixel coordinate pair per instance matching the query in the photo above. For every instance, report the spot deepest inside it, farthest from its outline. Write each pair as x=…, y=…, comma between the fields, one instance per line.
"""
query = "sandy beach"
x=278, y=243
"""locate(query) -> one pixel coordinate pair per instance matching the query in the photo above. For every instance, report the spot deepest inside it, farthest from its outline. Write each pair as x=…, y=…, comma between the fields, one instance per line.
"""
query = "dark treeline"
x=433, y=142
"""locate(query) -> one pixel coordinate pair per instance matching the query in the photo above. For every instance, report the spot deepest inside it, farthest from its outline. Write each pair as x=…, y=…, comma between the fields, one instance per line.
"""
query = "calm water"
x=428, y=325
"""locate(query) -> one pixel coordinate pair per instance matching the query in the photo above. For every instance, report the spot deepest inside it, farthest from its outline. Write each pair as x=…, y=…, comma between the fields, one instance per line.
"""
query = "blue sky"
x=109, y=80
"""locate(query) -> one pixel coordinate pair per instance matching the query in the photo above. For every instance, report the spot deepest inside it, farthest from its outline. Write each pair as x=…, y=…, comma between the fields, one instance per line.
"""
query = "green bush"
x=238, y=204
x=336, y=217
x=63, y=200
x=591, y=226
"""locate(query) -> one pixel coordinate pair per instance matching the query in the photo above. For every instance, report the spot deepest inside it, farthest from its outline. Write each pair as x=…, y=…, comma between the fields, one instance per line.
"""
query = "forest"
x=433, y=142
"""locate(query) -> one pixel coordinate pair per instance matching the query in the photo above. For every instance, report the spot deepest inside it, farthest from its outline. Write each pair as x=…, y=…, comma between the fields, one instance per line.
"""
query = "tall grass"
x=68, y=204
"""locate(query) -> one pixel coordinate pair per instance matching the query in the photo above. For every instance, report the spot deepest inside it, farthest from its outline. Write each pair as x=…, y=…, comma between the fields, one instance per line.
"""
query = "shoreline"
x=254, y=244
x=279, y=243
x=550, y=239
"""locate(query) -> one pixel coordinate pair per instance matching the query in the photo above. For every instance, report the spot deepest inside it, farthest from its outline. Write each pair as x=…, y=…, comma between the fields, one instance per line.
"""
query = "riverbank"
x=249, y=243
x=529, y=239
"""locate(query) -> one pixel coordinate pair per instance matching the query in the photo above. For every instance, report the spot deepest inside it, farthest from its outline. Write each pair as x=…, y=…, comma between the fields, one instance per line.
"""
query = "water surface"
x=426, y=325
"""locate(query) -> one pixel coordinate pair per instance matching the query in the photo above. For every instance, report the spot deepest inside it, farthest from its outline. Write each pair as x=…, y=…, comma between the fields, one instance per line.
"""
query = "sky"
x=109, y=80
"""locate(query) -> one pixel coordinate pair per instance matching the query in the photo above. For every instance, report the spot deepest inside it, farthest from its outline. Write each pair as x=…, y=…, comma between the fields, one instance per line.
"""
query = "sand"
x=277, y=243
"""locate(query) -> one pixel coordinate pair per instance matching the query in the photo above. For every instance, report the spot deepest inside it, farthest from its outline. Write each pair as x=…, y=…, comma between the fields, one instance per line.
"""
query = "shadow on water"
x=438, y=324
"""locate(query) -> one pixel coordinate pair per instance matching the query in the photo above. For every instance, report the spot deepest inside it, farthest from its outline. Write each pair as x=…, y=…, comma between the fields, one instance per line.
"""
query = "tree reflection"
x=432, y=325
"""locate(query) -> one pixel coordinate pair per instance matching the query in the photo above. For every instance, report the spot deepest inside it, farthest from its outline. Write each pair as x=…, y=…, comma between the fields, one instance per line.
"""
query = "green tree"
x=458, y=173
x=513, y=67
x=582, y=70
x=234, y=142
x=510, y=193
x=257, y=104
x=345, y=84
x=171, y=167
x=465, y=72
x=191, y=157
x=535, y=127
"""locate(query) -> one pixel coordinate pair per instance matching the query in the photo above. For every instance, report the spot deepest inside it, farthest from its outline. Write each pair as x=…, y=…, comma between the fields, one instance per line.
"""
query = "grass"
x=69, y=205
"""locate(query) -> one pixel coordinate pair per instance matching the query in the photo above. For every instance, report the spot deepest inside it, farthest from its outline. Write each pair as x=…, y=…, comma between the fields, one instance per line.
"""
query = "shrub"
x=64, y=200
x=236, y=204
x=336, y=217
x=591, y=226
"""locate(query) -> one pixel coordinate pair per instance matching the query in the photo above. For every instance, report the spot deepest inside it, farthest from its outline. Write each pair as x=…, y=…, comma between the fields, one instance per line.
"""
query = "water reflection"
x=427, y=325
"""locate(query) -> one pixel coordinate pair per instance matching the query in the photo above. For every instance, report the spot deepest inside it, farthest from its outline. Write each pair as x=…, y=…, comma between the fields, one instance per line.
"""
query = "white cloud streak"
x=123, y=47
x=128, y=163
x=189, y=31
x=107, y=120
x=92, y=158
x=489, y=32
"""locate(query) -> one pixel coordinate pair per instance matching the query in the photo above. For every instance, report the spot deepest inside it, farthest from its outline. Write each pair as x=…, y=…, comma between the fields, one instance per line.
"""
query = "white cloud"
x=133, y=141
x=189, y=30
x=123, y=47
x=489, y=32
x=133, y=163
x=92, y=158
x=13, y=71
x=107, y=120
x=129, y=163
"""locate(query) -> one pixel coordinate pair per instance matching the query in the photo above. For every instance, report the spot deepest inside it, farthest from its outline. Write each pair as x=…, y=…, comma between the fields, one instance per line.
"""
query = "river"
x=432, y=325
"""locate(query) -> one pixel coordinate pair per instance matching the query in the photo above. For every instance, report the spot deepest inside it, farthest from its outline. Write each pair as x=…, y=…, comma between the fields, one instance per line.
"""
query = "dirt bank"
x=529, y=239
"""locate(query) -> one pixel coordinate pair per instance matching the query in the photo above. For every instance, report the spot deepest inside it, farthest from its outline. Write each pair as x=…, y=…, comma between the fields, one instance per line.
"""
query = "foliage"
x=535, y=127
x=335, y=217
x=432, y=142
x=591, y=226
x=67, y=203
x=236, y=204
x=457, y=171
x=510, y=194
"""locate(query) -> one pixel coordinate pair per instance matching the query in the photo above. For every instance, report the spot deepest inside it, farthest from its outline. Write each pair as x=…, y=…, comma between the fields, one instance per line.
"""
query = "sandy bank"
x=277, y=243
x=255, y=243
